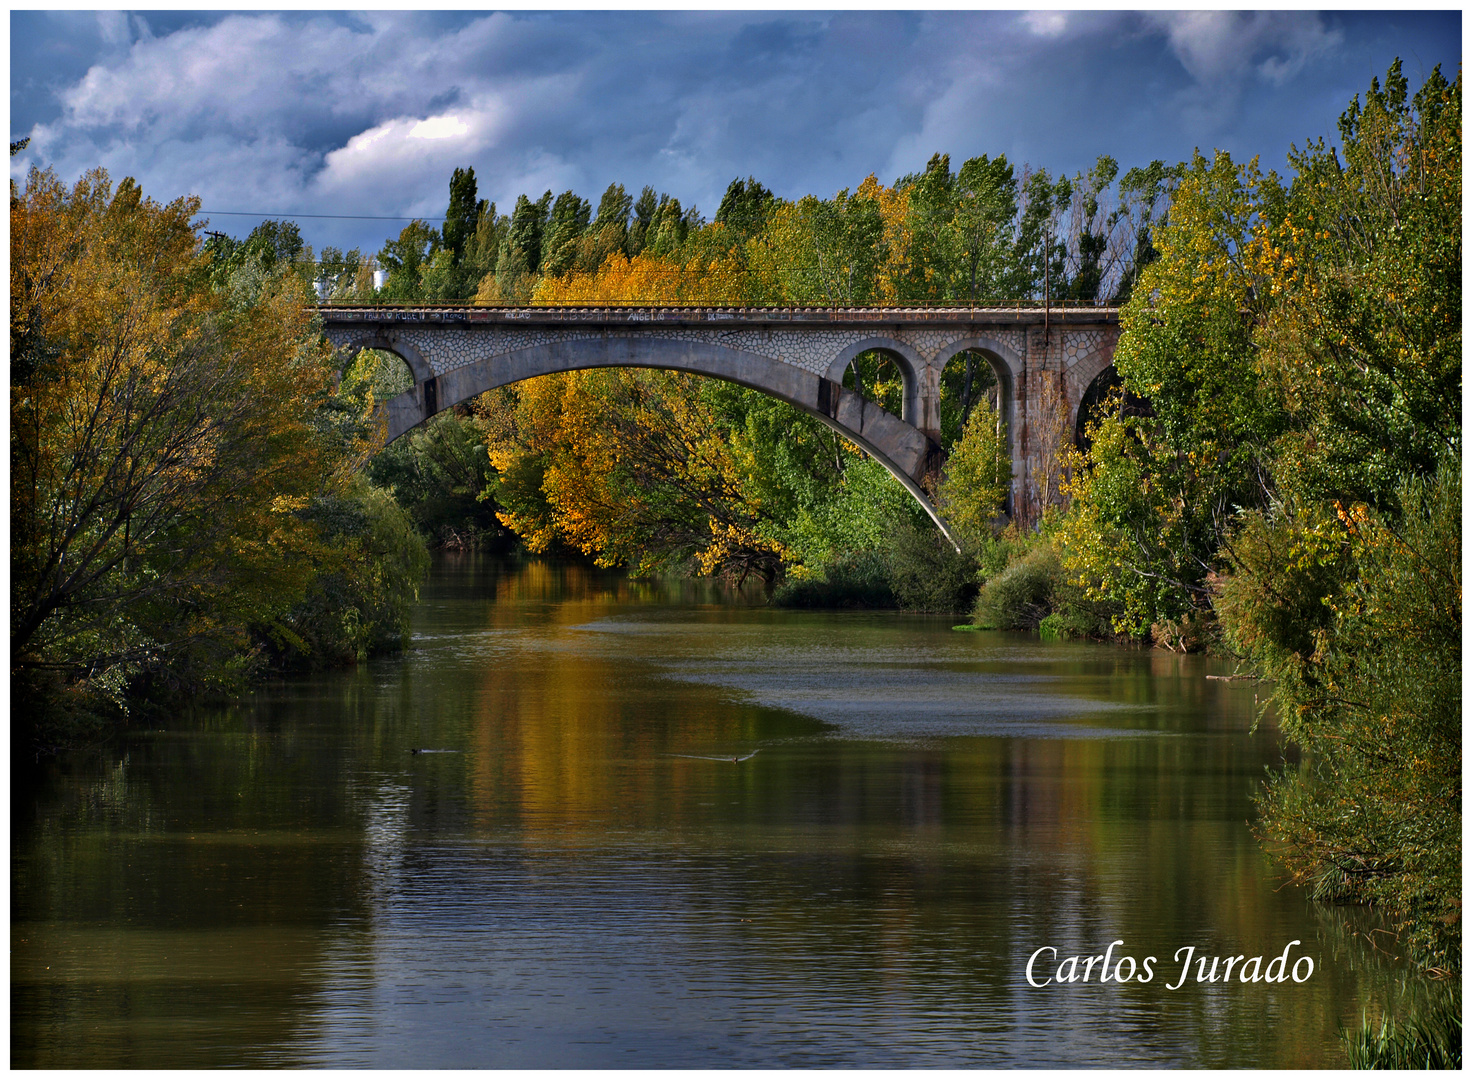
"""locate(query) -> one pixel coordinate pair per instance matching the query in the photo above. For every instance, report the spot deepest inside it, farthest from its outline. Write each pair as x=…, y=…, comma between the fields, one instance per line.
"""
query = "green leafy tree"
x=1363, y=348
x=608, y=233
x=405, y=258
x=639, y=226
x=977, y=478
x=744, y=208
x=463, y=215
x=961, y=227
x=360, y=604
x=1358, y=620
x=489, y=229
x=270, y=245
x=566, y=226
x=528, y=227
x=1039, y=254
x=1346, y=586
x=1159, y=493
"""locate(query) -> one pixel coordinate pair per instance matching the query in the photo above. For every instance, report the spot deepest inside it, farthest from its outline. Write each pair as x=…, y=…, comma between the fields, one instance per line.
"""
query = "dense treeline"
x=659, y=471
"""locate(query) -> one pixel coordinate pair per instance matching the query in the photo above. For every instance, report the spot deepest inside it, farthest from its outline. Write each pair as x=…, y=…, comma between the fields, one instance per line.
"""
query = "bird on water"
x=708, y=757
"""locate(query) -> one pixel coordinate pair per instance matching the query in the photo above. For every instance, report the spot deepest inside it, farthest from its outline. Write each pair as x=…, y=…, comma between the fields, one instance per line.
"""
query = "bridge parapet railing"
x=1023, y=312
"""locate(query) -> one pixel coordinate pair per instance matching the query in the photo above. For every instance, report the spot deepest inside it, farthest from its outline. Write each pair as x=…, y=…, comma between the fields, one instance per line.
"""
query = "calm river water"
x=581, y=876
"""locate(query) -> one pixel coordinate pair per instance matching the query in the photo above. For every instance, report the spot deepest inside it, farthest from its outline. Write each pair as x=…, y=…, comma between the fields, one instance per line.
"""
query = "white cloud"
x=114, y=30
x=439, y=127
x=1048, y=24
x=1218, y=47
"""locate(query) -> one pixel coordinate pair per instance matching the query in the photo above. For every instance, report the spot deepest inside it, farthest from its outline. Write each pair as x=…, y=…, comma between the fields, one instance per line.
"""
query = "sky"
x=368, y=113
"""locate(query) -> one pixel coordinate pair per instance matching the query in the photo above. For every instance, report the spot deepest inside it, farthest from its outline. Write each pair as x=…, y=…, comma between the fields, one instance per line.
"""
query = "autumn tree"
x=630, y=467
x=165, y=438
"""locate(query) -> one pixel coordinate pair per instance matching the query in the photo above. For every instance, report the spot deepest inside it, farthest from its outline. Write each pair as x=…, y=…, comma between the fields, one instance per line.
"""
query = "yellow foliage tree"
x=648, y=279
x=632, y=467
x=629, y=466
x=162, y=442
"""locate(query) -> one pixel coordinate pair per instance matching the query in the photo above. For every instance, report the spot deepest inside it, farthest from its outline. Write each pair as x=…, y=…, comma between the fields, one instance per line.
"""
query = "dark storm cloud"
x=369, y=112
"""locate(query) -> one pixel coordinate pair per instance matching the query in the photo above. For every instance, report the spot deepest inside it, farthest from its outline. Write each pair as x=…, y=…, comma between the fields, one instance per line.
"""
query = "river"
x=663, y=825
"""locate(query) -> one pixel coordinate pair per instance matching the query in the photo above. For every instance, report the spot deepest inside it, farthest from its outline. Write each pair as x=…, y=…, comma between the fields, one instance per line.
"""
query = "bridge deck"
x=672, y=315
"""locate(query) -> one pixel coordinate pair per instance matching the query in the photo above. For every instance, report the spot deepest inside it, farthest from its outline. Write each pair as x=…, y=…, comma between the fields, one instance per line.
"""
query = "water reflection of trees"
x=899, y=887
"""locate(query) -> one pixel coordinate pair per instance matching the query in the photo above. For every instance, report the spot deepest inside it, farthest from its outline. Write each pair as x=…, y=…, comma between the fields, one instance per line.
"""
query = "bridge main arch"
x=904, y=451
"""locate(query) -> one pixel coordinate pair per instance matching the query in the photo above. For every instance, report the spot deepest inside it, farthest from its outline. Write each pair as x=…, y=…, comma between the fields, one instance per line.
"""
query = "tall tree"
x=405, y=258
x=566, y=225
x=1159, y=495
x=463, y=214
x=644, y=209
x=1090, y=232
x=528, y=226
x=744, y=208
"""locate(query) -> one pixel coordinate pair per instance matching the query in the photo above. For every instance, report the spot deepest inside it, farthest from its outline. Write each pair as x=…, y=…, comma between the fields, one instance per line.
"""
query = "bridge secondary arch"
x=910, y=364
x=1007, y=365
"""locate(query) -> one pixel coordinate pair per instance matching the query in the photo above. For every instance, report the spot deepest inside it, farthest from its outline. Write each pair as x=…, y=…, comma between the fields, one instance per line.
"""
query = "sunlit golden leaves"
x=648, y=279
x=629, y=466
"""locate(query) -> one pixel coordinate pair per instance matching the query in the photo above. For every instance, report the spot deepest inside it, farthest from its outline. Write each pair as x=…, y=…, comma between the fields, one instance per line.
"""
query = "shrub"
x=1068, y=623
x=1372, y=690
x=926, y=573
x=1021, y=596
x=857, y=580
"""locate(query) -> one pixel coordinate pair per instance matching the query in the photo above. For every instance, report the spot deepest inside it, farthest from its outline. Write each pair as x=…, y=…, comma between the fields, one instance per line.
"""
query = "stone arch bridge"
x=1044, y=361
